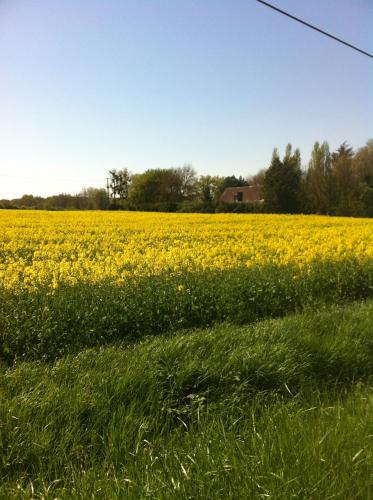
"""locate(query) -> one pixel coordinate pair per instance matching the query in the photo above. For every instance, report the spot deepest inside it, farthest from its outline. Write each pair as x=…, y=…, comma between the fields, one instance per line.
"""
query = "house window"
x=238, y=196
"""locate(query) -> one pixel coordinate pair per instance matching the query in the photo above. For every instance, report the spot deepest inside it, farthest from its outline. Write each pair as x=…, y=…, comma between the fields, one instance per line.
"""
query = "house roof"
x=250, y=193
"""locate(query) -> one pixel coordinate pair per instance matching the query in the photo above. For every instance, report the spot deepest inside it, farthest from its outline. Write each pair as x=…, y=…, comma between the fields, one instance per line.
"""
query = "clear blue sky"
x=91, y=85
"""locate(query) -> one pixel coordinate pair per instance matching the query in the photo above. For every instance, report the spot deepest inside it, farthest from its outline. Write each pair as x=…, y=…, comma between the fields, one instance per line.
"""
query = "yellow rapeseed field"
x=39, y=248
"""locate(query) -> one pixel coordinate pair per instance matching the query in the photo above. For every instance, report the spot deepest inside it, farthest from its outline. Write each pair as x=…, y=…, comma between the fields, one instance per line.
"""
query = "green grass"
x=46, y=325
x=277, y=409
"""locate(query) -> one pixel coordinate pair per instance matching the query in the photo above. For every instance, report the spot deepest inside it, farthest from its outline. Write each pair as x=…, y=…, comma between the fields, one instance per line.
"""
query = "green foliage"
x=233, y=181
x=145, y=187
x=319, y=181
x=240, y=208
x=202, y=207
x=97, y=199
x=282, y=188
x=120, y=182
x=363, y=163
x=337, y=183
x=171, y=185
x=281, y=408
x=345, y=181
x=47, y=324
x=209, y=188
x=367, y=201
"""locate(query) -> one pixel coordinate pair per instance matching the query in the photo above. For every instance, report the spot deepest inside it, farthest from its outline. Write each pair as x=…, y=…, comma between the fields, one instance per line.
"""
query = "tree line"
x=172, y=189
x=88, y=199
x=333, y=183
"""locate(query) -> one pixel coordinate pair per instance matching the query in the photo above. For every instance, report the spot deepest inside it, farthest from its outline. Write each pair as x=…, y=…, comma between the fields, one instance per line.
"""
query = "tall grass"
x=46, y=324
x=279, y=409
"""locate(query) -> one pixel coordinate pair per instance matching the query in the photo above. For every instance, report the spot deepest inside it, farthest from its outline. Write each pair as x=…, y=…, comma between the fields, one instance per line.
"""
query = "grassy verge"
x=46, y=324
x=279, y=409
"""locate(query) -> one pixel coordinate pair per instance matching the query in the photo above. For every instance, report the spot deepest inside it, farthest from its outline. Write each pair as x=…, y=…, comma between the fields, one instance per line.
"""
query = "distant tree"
x=145, y=187
x=30, y=201
x=318, y=180
x=273, y=184
x=281, y=187
x=345, y=182
x=363, y=163
x=367, y=200
x=62, y=201
x=363, y=168
x=344, y=151
x=170, y=185
x=233, y=181
x=225, y=182
x=257, y=179
x=119, y=183
x=188, y=181
x=154, y=186
x=209, y=188
x=96, y=198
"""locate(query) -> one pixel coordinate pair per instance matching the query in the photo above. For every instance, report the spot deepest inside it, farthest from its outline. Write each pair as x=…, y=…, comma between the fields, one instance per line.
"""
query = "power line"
x=315, y=28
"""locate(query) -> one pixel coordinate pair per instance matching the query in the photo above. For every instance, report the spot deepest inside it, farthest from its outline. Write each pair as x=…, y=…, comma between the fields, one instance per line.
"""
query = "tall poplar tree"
x=345, y=181
x=281, y=186
x=318, y=180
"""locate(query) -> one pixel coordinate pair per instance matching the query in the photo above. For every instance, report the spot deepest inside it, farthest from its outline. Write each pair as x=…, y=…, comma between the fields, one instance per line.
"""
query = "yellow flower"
x=44, y=248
